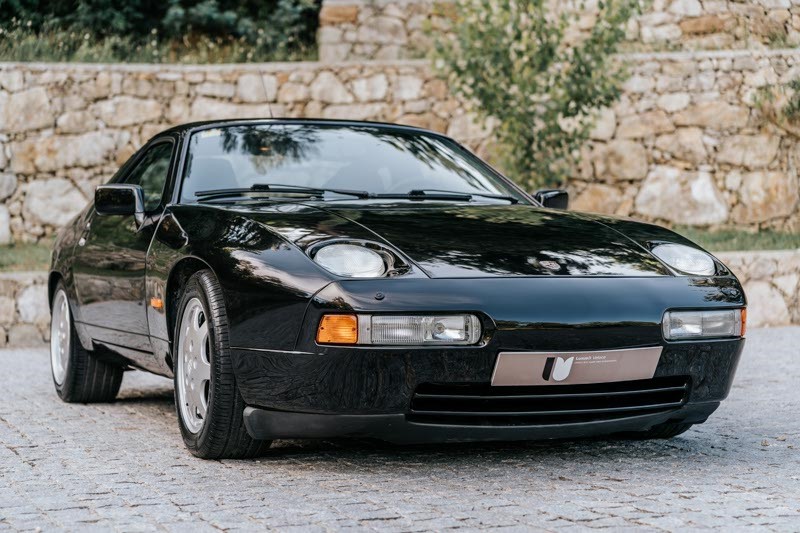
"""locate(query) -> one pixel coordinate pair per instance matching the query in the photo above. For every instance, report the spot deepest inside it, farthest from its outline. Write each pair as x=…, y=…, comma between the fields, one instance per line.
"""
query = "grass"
x=730, y=240
x=21, y=44
x=25, y=257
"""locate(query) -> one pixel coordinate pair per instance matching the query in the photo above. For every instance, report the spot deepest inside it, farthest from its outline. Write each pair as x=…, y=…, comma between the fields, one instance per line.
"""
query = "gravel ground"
x=123, y=466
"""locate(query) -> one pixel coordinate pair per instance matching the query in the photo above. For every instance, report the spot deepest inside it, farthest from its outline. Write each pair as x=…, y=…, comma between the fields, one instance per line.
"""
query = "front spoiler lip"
x=266, y=424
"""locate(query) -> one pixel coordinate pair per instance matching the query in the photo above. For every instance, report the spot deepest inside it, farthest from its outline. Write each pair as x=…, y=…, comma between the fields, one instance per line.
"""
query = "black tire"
x=661, y=431
x=87, y=379
x=223, y=434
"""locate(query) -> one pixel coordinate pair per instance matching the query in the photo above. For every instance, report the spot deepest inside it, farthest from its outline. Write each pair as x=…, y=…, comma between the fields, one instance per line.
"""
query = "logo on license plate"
x=557, y=368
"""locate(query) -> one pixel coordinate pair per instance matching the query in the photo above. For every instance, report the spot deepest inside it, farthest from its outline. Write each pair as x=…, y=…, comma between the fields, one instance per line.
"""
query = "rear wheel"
x=79, y=376
x=209, y=404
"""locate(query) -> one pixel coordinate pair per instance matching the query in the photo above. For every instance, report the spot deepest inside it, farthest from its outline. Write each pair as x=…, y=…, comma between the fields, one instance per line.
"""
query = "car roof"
x=207, y=124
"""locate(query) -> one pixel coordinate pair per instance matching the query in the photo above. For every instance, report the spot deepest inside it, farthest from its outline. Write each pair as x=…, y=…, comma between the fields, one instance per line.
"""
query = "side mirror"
x=120, y=199
x=552, y=198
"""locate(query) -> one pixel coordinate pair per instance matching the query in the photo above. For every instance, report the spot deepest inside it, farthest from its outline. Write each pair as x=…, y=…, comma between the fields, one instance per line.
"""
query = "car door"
x=109, y=264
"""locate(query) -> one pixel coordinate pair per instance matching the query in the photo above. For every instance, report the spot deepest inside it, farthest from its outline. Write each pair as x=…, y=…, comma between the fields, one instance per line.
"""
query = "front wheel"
x=78, y=375
x=209, y=404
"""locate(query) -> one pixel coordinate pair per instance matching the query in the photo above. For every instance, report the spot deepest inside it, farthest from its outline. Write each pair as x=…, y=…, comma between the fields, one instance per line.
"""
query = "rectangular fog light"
x=414, y=330
x=685, y=325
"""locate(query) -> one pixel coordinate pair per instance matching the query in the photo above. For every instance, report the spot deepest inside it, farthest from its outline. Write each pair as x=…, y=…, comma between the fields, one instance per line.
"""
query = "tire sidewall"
x=64, y=389
x=195, y=289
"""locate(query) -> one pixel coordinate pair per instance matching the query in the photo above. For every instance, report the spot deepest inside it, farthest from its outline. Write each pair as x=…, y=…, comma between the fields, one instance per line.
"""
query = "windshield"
x=375, y=159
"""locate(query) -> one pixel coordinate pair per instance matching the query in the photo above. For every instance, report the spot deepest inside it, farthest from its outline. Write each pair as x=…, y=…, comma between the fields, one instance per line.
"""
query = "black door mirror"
x=552, y=198
x=120, y=199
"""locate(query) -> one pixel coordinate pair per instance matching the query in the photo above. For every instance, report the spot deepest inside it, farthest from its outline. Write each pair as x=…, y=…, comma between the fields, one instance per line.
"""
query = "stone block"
x=598, y=198
x=620, y=160
x=765, y=195
x=331, y=14
x=24, y=335
x=681, y=197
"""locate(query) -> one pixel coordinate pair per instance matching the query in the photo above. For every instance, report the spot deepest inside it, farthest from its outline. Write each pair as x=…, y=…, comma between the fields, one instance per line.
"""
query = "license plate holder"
x=574, y=368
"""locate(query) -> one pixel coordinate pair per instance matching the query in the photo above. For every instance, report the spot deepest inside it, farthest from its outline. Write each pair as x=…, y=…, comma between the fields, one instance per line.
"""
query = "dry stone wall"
x=383, y=29
x=687, y=145
x=684, y=145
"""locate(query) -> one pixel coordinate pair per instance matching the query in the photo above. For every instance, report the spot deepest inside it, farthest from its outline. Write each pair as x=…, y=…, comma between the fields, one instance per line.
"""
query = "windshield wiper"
x=510, y=199
x=422, y=195
x=439, y=194
x=261, y=188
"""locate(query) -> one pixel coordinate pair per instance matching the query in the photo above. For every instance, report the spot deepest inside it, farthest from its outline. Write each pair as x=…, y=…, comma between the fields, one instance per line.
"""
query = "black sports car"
x=309, y=278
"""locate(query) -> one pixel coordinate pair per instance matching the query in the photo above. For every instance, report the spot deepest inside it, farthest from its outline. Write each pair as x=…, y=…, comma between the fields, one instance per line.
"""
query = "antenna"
x=266, y=96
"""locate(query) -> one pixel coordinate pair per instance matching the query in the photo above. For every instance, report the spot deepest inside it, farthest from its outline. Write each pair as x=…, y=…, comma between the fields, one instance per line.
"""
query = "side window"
x=151, y=174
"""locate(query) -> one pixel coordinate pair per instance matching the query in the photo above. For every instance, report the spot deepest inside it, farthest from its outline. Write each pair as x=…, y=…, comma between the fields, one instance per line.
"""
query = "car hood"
x=448, y=241
x=518, y=240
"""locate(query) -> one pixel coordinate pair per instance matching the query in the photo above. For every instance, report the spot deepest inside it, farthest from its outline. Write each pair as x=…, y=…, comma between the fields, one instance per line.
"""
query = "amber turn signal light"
x=338, y=329
x=744, y=320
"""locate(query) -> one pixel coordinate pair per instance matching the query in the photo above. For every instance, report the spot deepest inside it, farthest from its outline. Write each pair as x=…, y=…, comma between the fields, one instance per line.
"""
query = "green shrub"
x=517, y=62
x=188, y=31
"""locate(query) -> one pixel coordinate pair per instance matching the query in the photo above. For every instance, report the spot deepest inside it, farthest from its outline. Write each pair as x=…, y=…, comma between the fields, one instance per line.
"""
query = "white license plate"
x=573, y=368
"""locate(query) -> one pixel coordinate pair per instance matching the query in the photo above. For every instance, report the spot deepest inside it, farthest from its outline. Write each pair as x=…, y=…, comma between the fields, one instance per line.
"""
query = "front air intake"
x=484, y=405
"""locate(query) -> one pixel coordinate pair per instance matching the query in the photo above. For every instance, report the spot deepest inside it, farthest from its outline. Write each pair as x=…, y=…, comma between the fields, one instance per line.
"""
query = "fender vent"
x=484, y=405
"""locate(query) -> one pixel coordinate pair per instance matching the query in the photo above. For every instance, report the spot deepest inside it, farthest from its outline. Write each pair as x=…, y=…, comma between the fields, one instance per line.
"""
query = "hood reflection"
x=474, y=241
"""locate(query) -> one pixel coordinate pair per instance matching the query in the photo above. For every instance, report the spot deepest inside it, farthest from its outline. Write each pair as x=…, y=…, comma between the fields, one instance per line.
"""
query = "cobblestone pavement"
x=123, y=466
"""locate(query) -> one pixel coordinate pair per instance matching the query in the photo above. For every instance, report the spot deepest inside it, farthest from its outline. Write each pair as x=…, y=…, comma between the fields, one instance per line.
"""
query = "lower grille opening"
x=484, y=405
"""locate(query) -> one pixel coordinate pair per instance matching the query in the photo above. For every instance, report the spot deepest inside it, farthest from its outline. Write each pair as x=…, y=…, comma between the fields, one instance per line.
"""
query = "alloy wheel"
x=60, y=337
x=193, y=366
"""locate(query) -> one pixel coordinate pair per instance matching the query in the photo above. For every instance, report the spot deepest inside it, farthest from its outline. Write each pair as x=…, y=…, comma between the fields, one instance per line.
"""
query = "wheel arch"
x=178, y=276
x=52, y=281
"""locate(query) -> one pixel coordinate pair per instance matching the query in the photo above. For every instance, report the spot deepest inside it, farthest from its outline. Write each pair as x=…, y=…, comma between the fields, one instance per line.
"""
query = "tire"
x=661, y=431
x=79, y=376
x=209, y=405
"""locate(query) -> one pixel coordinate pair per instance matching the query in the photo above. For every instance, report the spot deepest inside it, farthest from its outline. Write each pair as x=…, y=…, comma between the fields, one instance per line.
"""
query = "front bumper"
x=327, y=391
x=373, y=394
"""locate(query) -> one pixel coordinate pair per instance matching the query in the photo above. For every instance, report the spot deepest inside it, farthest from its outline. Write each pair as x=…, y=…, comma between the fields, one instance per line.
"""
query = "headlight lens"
x=351, y=260
x=684, y=325
x=686, y=259
x=411, y=330
x=400, y=330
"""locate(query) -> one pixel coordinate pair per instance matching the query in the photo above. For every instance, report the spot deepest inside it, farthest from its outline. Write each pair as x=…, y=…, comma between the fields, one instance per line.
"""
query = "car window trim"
x=180, y=167
x=137, y=160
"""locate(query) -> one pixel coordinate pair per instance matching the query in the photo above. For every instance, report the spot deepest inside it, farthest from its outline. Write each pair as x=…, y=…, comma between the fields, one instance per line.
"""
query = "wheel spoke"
x=202, y=404
x=200, y=398
x=192, y=400
x=203, y=372
x=201, y=338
